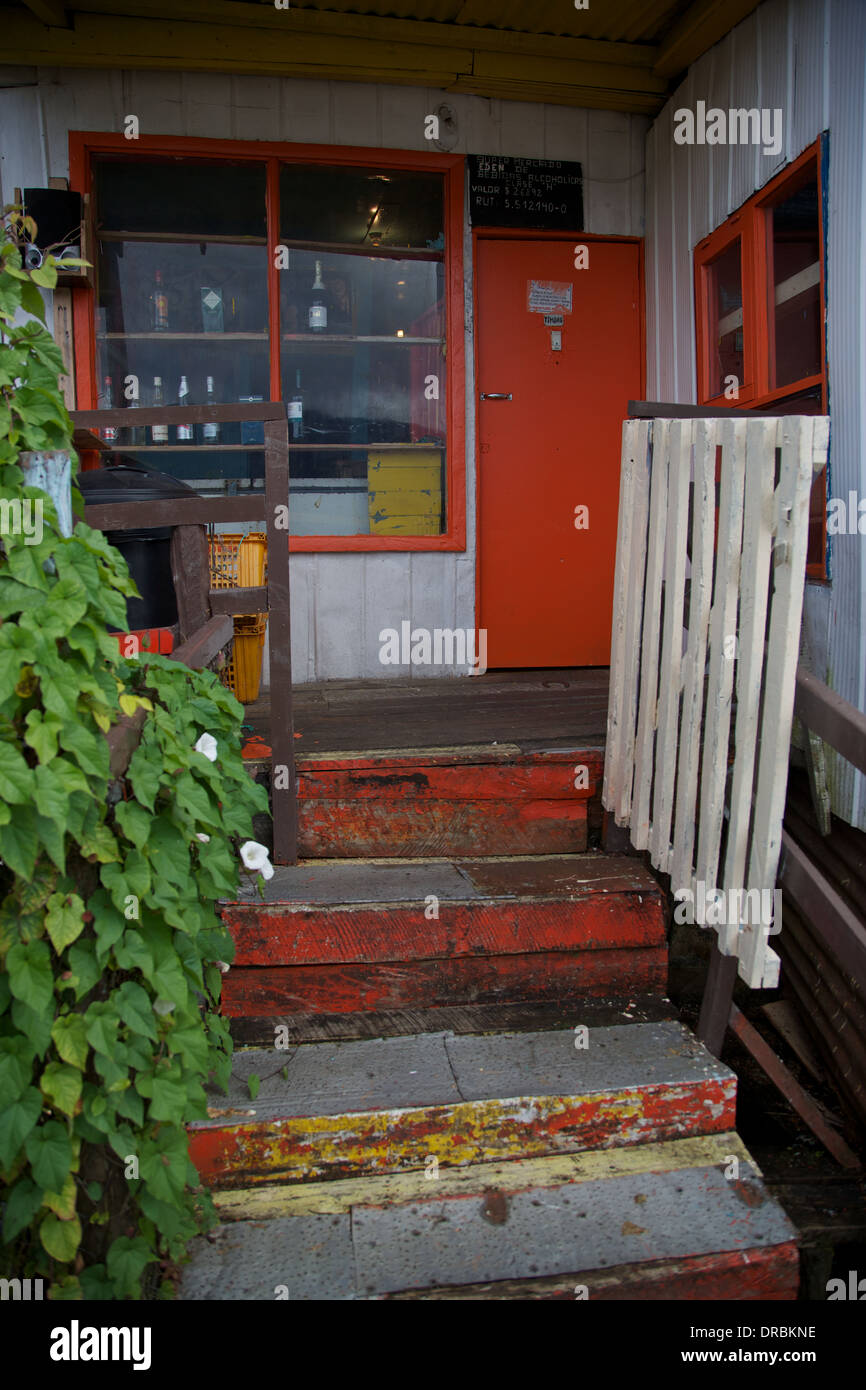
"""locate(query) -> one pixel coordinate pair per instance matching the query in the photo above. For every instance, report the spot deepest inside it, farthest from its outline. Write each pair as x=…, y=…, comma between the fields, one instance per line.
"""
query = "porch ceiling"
x=620, y=55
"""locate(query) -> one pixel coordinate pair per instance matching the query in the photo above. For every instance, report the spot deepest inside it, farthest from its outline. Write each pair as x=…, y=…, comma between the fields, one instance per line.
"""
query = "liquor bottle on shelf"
x=158, y=433
x=185, y=432
x=295, y=409
x=211, y=431
x=159, y=299
x=108, y=433
x=136, y=434
x=318, y=314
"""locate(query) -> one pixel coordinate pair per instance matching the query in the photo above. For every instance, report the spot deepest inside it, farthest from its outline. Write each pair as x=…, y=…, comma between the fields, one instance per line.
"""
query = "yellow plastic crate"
x=238, y=561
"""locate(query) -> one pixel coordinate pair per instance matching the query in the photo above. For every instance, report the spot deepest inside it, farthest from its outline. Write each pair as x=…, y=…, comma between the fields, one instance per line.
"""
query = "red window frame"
x=84, y=145
x=753, y=225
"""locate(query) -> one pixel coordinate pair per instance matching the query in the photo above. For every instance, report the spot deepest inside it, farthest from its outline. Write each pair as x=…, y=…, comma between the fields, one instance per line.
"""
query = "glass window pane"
x=180, y=196
x=796, y=279
x=363, y=351
x=726, y=319
x=361, y=207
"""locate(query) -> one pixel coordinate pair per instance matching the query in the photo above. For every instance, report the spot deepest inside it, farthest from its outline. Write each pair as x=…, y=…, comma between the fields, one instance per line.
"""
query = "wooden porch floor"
x=532, y=709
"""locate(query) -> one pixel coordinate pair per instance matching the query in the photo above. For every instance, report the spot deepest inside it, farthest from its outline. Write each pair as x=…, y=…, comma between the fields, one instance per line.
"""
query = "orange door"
x=546, y=584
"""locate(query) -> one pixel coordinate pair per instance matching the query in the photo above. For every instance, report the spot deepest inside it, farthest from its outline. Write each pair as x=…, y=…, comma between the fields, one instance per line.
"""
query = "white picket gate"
x=673, y=774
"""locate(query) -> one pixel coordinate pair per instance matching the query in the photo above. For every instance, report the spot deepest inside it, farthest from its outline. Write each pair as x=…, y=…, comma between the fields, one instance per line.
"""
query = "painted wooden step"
x=353, y=937
x=391, y=1104
x=447, y=802
x=662, y=1221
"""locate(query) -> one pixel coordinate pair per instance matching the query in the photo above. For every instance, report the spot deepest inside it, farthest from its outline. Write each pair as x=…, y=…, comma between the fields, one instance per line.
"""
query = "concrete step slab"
x=384, y=1105
x=664, y=1231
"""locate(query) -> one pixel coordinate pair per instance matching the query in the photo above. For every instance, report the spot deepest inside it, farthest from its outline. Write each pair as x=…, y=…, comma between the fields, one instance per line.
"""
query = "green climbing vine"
x=110, y=946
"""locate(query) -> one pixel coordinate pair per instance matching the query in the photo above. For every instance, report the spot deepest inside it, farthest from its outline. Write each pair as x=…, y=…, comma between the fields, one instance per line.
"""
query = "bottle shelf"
x=321, y=339
x=163, y=336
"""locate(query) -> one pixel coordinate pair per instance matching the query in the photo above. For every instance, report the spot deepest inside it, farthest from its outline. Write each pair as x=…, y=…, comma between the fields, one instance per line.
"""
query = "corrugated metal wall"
x=340, y=603
x=807, y=57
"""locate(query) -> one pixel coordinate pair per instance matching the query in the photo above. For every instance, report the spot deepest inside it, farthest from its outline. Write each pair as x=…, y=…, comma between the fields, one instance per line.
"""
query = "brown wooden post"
x=717, y=1001
x=283, y=792
x=189, y=571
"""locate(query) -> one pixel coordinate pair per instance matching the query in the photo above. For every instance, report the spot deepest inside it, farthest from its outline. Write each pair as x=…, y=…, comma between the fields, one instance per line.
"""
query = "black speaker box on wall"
x=57, y=214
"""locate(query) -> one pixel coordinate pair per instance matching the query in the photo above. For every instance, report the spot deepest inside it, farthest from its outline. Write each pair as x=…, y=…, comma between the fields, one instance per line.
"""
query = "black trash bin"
x=147, y=551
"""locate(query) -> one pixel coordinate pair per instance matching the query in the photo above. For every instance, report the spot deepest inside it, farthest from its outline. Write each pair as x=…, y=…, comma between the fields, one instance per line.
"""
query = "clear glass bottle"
x=185, y=432
x=211, y=431
x=158, y=433
x=318, y=313
x=108, y=433
x=159, y=299
x=295, y=409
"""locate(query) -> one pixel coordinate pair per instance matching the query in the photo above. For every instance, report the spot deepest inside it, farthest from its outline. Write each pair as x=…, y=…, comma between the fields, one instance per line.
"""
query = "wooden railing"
x=677, y=766
x=204, y=614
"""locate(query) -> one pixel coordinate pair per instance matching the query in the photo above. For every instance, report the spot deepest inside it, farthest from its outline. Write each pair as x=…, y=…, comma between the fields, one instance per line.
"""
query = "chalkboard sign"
x=532, y=193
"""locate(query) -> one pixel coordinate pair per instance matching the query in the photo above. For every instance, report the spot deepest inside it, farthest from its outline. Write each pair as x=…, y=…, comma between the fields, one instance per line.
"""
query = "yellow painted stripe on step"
x=331, y=1198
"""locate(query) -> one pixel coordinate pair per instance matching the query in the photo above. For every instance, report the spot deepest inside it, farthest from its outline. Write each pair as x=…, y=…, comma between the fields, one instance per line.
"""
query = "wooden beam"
x=50, y=12
x=204, y=645
x=179, y=511
x=449, y=57
x=189, y=571
x=329, y=25
x=831, y=717
x=791, y=1089
x=717, y=1000
x=702, y=25
x=284, y=801
x=233, y=601
x=818, y=903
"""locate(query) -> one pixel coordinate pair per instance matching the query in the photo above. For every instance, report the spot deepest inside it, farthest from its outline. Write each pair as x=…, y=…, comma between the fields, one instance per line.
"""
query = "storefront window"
x=183, y=315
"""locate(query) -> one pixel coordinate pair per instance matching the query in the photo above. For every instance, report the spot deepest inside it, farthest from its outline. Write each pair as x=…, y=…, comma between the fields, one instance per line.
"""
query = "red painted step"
x=361, y=937
x=493, y=800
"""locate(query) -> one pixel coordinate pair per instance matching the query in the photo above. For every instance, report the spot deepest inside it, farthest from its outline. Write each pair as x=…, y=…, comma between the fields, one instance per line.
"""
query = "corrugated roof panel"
x=635, y=21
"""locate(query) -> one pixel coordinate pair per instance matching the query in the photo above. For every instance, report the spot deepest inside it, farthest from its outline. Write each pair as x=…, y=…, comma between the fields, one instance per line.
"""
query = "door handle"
x=496, y=395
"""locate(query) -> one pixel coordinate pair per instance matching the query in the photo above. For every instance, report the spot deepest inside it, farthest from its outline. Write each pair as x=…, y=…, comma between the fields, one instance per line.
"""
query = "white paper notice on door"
x=549, y=296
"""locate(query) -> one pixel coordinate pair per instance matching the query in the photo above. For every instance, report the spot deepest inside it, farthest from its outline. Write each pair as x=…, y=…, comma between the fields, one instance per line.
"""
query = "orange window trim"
x=83, y=145
x=751, y=225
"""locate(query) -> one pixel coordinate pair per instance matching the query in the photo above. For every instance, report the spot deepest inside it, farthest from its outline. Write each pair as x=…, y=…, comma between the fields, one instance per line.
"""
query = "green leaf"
x=134, y=821
x=131, y=878
x=22, y=1204
x=30, y=975
x=89, y=750
x=19, y=841
x=168, y=848
x=18, y=1121
x=169, y=1100
x=101, y=1024
x=64, y=920
x=70, y=1039
x=62, y=1085
x=16, y=1069
x=34, y=1026
x=136, y=1008
x=62, y=1203
x=144, y=774
x=16, y=778
x=253, y=1082
x=100, y=844
x=85, y=967
x=41, y=735
x=127, y=1260
x=52, y=800
x=60, y=1238
x=50, y=1153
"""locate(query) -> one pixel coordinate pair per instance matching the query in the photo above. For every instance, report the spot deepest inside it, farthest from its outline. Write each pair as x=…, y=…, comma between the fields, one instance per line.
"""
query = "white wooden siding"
x=340, y=603
x=807, y=57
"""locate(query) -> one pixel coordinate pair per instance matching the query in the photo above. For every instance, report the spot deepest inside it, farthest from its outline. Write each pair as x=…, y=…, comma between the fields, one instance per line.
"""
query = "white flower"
x=200, y=835
x=222, y=966
x=163, y=1006
x=207, y=745
x=255, y=857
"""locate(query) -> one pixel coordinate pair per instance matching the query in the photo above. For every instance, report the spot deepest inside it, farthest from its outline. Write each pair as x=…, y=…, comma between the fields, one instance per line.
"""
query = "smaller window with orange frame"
x=759, y=308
